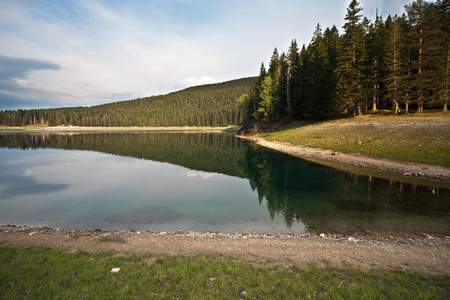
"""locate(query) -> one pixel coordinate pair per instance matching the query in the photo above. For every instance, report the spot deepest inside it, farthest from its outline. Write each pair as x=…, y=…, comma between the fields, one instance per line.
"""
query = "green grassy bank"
x=44, y=273
x=419, y=138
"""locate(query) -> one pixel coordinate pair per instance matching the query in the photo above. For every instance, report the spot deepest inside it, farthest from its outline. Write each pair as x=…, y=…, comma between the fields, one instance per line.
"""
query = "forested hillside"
x=402, y=63
x=206, y=105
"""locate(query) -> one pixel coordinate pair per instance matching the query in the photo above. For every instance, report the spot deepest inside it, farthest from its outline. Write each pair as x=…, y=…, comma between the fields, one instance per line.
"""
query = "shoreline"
x=428, y=254
x=405, y=171
x=32, y=128
x=355, y=163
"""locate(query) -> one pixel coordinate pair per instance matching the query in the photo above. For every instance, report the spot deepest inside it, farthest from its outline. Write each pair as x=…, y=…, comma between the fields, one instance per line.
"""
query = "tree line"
x=206, y=105
x=401, y=63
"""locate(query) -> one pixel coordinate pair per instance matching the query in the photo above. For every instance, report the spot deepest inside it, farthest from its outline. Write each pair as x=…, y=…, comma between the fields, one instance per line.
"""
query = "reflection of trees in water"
x=366, y=193
x=327, y=200
x=209, y=152
x=324, y=199
x=278, y=178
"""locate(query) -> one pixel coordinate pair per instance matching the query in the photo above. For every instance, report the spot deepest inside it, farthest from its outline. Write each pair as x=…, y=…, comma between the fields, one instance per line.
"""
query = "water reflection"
x=195, y=191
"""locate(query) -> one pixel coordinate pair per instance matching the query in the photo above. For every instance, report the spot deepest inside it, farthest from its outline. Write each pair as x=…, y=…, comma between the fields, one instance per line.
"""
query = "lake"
x=170, y=181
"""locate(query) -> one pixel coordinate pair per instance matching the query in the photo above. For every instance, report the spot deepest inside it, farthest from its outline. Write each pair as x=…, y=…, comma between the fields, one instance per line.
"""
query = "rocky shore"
x=427, y=254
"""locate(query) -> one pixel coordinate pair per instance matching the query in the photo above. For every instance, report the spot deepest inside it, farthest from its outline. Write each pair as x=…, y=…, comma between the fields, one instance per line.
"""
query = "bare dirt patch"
x=430, y=255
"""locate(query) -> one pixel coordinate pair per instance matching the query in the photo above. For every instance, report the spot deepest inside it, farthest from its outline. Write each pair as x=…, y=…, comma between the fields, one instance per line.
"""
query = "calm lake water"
x=154, y=181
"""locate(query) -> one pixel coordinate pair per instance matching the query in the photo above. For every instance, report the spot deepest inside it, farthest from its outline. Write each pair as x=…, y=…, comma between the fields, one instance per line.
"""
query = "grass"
x=44, y=273
x=419, y=138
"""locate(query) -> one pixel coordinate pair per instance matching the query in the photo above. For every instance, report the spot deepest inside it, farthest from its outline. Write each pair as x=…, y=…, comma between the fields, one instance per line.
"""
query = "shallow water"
x=199, y=182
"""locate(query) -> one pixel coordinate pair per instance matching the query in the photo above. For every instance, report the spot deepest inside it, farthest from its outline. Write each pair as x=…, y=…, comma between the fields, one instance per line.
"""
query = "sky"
x=88, y=52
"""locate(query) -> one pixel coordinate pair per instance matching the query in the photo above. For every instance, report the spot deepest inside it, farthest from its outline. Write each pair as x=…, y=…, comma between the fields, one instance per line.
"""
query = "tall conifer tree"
x=292, y=78
x=393, y=61
x=350, y=61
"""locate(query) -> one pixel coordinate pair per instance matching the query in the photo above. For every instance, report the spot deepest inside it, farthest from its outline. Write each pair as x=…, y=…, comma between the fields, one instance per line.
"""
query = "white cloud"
x=110, y=49
x=199, y=81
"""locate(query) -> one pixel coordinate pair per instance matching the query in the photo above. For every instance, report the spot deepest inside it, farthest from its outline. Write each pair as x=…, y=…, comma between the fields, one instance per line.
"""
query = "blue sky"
x=87, y=52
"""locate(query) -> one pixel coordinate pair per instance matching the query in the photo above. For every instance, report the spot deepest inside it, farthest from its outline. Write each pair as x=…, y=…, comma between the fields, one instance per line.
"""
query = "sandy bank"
x=428, y=254
x=437, y=173
x=133, y=128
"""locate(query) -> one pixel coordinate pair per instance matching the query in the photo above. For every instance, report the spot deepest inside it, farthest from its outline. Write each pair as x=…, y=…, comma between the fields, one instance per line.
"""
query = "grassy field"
x=44, y=273
x=420, y=138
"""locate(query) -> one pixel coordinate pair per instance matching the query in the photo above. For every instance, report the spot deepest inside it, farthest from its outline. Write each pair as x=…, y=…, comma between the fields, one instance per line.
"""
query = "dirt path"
x=429, y=255
x=405, y=169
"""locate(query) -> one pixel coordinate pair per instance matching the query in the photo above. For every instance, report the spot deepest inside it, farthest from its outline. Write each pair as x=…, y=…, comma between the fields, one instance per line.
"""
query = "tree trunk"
x=420, y=107
x=447, y=78
x=396, y=110
x=288, y=94
x=357, y=109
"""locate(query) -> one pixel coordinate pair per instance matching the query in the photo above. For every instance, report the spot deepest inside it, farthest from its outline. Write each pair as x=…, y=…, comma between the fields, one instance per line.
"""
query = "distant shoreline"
x=100, y=129
x=405, y=171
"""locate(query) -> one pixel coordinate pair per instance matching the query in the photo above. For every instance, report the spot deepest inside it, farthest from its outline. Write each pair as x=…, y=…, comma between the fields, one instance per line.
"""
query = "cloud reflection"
x=203, y=175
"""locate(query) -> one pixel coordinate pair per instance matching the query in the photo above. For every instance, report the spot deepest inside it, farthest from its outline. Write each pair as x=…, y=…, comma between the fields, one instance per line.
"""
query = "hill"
x=206, y=105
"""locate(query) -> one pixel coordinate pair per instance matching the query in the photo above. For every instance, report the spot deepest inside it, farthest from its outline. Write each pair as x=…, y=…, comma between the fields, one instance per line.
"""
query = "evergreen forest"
x=205, y=105
x=400, y=64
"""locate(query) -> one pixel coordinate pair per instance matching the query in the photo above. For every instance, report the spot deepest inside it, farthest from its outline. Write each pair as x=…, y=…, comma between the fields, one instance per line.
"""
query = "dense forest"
x=401, y=63
x=206, y=105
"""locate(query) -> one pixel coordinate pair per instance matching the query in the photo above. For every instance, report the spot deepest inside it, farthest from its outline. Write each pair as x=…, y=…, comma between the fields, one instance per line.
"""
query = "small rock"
x=212, y=278
x=116, y=239
x=115, y=270
x=322, y=235
x=31, y=233
x=242, y=294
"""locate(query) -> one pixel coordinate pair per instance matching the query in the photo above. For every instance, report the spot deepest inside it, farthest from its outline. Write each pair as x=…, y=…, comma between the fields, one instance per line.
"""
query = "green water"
x=169, y=181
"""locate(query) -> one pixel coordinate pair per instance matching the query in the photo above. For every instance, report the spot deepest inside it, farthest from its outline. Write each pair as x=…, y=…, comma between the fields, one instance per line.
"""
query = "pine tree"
x=350, y=61
x=428, y=36
x=375, y=67
x=315, y=89
x=443, y=12
x=268, y=105
x=255, y=98
x=282, y=85
x=274, y=66
x=416, y=13
x=393, y=62
x=292, y=79
x=331, y=40
x=445, y=15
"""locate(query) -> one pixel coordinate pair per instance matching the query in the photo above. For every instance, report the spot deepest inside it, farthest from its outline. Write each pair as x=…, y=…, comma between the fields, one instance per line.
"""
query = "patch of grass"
x=423, y=138
x=44, y=273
